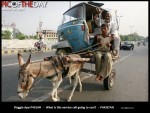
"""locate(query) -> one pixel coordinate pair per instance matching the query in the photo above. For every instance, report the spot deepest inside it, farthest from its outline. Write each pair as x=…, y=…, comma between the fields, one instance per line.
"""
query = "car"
x=127, y=46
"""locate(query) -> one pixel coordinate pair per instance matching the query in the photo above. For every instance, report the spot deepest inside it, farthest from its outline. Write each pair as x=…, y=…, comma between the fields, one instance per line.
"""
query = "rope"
x=85, y=49
x=42, y=79
x=44, y=75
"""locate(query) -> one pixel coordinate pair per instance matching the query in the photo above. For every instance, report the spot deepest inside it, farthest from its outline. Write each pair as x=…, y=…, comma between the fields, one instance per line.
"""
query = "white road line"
x=42, y=59
x=17, y=63
x=9, y=64
x=123, y=58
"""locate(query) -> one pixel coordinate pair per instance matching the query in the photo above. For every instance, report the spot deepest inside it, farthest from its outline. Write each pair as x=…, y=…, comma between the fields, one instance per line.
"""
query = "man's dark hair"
x=104, y=14
x=104, y=25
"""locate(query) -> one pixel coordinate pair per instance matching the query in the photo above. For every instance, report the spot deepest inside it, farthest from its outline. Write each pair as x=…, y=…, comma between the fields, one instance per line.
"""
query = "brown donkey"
x=54, y=69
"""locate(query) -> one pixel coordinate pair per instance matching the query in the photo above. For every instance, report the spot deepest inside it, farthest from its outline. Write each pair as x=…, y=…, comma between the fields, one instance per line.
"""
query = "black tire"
x=39, y=48
x=132, y=47
x=110, y=80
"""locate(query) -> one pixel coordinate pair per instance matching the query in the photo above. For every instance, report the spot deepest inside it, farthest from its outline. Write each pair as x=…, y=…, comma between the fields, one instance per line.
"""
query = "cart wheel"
x=110, y=80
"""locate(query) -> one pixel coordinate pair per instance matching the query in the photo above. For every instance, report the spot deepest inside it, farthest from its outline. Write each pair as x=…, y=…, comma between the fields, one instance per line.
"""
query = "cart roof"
x=89, y=7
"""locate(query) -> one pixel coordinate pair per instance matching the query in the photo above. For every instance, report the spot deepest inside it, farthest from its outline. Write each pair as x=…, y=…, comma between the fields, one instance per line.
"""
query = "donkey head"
x=25, y=79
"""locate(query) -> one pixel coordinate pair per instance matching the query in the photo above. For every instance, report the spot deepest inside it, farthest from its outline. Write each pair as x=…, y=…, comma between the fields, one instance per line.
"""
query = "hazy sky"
x=133, y=14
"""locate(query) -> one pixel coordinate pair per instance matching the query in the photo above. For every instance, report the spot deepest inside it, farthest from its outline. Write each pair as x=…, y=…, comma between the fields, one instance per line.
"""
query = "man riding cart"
x=77, y=35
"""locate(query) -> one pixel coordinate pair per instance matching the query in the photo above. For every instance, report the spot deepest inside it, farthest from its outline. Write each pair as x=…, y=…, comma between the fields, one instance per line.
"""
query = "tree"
x=131, y=37
x=6, y=34
x=20, y=36
x=35, y=36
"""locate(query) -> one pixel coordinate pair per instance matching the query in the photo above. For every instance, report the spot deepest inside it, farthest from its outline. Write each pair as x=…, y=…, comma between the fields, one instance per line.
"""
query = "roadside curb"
x=15, y=51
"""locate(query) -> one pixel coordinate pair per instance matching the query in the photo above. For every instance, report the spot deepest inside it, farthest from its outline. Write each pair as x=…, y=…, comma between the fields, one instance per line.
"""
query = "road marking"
x=17, y=63
x=123, y=58
x=9, y=65
x=42, y=59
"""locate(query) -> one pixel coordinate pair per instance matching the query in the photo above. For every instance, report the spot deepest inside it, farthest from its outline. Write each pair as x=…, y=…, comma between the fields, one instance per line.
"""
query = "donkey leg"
x=54, y=90
x=79, y=72
x=80, y=88
x=56, y=96
x=58, y=84
x=74, y=87
x=70, y=80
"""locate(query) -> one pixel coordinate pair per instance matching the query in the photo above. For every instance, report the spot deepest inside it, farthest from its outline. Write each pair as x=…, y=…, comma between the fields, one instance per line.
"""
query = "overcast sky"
x=27, y=21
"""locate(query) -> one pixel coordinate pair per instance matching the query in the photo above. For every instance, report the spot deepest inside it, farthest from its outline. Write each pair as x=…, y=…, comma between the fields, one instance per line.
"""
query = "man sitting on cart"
x=102, y=43
x=113, y=31
x=109, y=19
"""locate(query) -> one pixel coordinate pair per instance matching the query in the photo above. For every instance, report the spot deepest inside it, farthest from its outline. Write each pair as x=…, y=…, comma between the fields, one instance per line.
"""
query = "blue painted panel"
x=72, y=31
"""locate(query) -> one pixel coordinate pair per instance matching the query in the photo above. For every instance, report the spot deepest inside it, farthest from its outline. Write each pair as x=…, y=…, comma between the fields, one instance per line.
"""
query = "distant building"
x=12, y=28
x=48, y=36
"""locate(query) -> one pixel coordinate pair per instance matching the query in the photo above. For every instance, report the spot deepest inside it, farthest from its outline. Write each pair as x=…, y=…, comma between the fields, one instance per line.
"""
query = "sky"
x=133, y=16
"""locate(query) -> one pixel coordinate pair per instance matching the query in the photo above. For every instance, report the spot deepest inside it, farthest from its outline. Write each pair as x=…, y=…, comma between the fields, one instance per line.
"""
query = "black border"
x=75, y=106
x=118, y=106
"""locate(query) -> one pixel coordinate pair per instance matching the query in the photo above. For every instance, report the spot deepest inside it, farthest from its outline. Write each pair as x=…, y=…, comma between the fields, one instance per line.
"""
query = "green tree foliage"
x=21, y=36
x=33, y=36
x=131, y=37
x=6, y=34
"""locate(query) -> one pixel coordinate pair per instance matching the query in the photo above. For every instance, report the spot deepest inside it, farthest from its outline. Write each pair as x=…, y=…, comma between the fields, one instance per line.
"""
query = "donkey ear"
x=20, y=59
x=28, y=62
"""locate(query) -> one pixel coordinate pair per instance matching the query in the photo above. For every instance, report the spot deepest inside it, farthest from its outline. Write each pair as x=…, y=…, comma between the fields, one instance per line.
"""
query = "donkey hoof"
x=56, y=99
x=80, y=90
x=69, y=99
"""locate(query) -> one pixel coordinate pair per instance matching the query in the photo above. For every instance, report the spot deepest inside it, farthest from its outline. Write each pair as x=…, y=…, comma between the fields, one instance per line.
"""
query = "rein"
x=90, y=51
x=57, y=73
x=83, y=51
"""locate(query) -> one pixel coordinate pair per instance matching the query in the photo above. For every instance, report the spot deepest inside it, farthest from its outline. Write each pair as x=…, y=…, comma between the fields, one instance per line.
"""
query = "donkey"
x=54, y=69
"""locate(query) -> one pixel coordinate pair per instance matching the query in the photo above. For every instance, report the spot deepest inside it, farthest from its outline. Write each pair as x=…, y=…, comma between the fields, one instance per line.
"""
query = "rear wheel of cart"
x=110, y=80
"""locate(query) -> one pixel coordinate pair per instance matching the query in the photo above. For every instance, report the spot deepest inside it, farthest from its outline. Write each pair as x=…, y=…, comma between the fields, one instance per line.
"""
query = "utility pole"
x=40, y=30
x=70, y=7
x=131, y=32
x=134, y=35
x=131, y=28
x=119, y=20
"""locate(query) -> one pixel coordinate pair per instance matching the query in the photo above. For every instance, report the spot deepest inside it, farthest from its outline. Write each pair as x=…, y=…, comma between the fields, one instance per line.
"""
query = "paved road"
x=131, y=81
